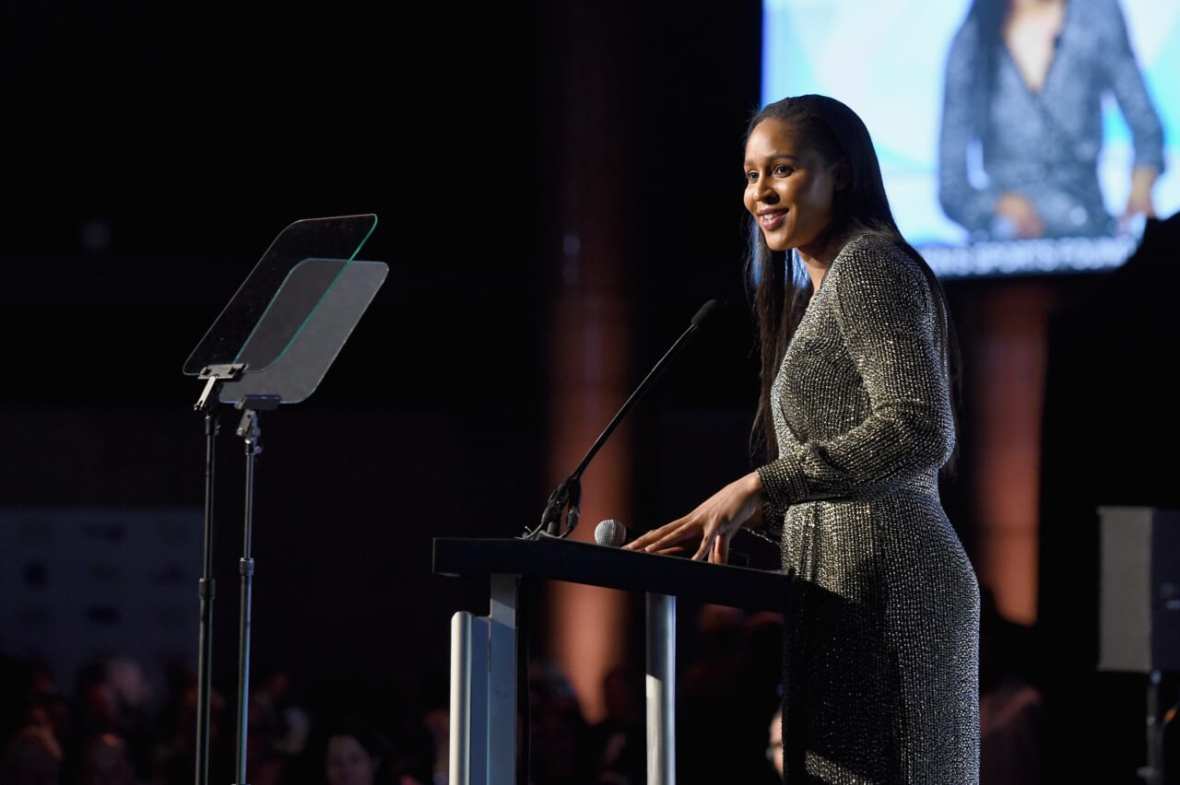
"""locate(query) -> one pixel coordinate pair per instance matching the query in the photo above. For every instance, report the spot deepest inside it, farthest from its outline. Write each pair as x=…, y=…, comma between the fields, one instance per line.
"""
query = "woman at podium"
x=857, y=414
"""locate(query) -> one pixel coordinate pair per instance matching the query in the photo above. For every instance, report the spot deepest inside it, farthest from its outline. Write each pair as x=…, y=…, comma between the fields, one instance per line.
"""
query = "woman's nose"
x=764, y=193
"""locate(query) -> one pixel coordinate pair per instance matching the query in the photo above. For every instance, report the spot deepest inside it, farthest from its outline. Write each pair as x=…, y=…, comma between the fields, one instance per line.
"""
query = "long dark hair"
x=783, y=288
x=987, y=17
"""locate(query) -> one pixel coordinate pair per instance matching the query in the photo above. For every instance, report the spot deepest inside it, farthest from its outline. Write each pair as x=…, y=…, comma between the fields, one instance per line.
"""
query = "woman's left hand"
x=712, y=524
x=1139, y=200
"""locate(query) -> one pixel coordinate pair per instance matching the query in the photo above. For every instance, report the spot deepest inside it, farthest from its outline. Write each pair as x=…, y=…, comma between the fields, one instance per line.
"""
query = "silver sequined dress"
x=883, y=678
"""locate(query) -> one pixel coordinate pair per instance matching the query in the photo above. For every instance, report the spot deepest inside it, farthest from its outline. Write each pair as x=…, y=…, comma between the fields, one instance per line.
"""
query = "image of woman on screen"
x=1024, y=86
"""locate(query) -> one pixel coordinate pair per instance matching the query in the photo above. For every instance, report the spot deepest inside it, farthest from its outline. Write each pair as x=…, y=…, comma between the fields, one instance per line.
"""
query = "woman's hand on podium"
x=711, y=525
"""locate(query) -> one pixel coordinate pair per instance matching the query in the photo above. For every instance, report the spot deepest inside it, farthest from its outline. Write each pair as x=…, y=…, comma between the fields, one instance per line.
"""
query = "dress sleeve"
x=1126, y=82
x=887, y=319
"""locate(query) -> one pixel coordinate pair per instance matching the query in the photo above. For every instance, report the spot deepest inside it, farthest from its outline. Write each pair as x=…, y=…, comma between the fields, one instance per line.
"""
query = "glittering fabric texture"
x=1043, y=144
x=882, y=656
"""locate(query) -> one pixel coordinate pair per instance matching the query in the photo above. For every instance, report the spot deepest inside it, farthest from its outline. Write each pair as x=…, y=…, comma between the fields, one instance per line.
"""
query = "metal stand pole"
x=250, y=429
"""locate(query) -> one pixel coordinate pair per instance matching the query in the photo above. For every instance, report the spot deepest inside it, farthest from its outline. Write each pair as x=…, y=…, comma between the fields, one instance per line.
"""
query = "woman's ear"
x=842, y=173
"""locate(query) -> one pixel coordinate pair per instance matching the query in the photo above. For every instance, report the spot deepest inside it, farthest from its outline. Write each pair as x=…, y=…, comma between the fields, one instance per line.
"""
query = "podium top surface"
x=613, y=568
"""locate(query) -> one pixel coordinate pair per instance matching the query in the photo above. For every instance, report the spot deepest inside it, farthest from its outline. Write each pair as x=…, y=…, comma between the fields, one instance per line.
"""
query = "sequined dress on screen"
x=1043, y=144
x=882, y=662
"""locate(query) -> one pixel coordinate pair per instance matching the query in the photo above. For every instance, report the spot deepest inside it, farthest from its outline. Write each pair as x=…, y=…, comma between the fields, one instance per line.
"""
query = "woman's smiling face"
x=789, y=186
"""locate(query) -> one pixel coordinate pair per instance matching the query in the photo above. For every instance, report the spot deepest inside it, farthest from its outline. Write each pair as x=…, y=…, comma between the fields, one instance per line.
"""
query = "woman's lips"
x=772, y=220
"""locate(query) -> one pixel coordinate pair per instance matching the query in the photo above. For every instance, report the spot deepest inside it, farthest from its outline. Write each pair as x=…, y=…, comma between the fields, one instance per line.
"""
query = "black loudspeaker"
x=1139, y=616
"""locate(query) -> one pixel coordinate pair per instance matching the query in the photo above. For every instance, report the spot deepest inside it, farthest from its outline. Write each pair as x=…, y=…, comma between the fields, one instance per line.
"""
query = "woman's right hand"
x=1018, y=210
x=710, y=526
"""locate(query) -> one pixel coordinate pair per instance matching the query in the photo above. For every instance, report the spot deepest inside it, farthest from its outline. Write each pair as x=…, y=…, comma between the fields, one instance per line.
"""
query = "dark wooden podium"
x=484, y=649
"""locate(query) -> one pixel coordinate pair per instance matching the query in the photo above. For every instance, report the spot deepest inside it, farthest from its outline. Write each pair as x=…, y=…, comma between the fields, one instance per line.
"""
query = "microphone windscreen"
x=610, y=533
x=707, y=310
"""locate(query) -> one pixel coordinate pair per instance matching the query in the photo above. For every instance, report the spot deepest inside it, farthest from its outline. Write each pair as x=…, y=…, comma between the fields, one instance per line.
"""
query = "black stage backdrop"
x=152, y=154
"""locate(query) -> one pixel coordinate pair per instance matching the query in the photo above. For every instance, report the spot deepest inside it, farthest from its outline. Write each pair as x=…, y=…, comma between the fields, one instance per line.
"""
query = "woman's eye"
x=751, y=177
x=783, y=170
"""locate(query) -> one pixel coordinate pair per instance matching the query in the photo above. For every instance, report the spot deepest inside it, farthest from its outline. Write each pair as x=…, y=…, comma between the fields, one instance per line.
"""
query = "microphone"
x=566, y=498
x=610, y=533
x=702, y=314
